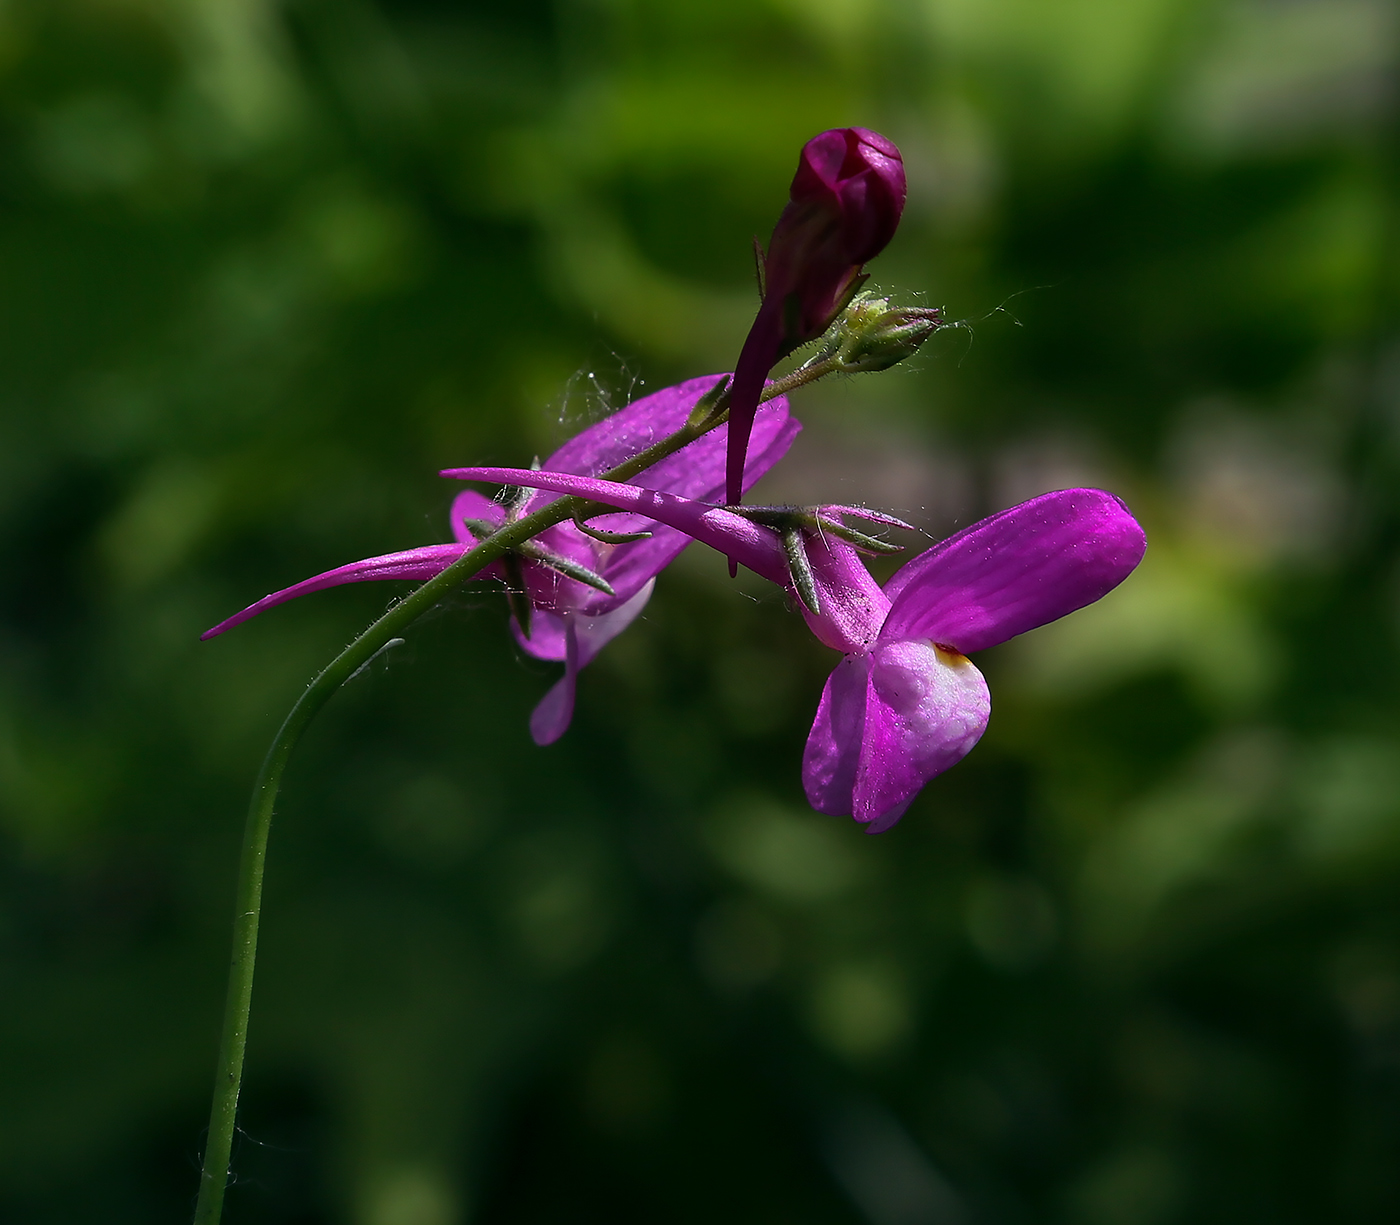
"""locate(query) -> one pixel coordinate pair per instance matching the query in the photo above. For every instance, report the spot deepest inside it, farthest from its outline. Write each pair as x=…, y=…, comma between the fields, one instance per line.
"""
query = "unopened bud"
x=845, y=203
x=873, y=335
x=846, y=200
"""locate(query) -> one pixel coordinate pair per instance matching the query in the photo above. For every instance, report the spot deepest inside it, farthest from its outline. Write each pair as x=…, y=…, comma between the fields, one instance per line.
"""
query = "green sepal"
x=858, y=540
x=603, y=536
x=567, y=567
x=709, y=406
x=800, y=569
x=779, y=518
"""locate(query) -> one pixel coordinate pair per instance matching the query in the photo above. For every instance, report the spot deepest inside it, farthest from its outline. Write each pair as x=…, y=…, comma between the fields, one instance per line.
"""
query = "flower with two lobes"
x=905, y=703
x=574, y=588
x=843, y=209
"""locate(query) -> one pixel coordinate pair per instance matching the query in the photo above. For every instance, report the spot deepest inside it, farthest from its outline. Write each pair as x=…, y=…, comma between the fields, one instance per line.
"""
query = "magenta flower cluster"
x=904, y=703
x=571, y=622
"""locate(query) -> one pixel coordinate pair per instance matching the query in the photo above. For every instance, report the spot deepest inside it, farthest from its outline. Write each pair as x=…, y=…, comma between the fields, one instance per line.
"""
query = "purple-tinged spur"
x=563, y=618
x=906, y=703
x=843, y=209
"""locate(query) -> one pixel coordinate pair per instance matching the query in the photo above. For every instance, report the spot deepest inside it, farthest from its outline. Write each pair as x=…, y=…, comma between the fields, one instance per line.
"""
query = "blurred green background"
x=266, y=266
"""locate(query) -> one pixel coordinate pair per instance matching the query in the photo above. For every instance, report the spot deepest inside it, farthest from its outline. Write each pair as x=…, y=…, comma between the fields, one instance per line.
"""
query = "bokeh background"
x=266, y=266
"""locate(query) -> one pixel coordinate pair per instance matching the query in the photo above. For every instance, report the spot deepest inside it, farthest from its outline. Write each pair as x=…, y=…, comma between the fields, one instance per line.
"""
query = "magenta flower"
x=906, y=704
x=570, y=621
x=843, y=209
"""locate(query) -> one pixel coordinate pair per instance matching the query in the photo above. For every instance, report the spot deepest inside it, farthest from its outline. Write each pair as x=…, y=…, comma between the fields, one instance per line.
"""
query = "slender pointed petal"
x=889, y=722
x=548, y=639
x=416, y=564
x=756, y=359
x=1016, y=570
x=754, y=546
x=551, y=718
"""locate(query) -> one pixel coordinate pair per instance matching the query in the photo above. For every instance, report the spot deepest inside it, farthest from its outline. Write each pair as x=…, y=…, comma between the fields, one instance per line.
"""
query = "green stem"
x=213, y=1177
x=248, y=905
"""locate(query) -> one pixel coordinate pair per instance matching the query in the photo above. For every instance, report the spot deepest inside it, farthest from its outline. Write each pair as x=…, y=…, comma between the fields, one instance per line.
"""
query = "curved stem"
x=213, y=1177
x=248, y=904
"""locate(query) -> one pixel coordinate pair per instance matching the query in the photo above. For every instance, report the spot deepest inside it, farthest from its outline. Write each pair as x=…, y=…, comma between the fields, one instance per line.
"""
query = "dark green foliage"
x=265, y=268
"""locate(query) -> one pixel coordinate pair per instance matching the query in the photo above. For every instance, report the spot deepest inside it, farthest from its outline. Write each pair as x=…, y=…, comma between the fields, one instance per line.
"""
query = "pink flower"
x=896, y=715
x=844, y=207
x=572, y=621
x=905, y=703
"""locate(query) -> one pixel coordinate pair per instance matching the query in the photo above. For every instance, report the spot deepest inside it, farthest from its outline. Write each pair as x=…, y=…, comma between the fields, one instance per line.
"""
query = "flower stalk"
x=503, y=543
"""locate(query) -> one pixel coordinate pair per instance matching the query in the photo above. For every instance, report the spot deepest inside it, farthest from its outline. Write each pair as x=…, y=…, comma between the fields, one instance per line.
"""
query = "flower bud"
x=843, y=209
x=845, y=204
x=873, y=335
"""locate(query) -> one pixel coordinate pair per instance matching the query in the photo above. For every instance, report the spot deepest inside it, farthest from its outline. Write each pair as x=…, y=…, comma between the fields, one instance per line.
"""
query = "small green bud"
x=714, y=401
x=873, y=335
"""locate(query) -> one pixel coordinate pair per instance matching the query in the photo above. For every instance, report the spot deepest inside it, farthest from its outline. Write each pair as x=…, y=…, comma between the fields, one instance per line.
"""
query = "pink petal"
x=548, y=589
x=888, y=723
x=415, y=564
x=696, y=471
x=851, y=606
x=551, y=718
x=548, y=633
x=831, y=759
x=1016, y=570
x=472, y=505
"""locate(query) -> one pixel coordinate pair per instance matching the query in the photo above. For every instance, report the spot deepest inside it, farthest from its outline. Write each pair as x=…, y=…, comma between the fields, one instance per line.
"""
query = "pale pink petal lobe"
x=927, y=707
x=1016, y=570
